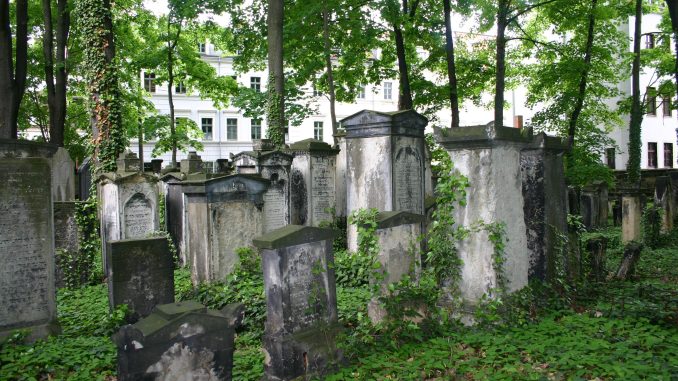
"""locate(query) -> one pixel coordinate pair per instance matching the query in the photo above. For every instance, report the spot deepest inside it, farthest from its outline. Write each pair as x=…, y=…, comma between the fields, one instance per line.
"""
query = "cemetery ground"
x=592, y=330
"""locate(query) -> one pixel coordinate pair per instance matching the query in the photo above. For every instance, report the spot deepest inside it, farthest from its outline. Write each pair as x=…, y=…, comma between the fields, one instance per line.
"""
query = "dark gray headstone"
x=156, y=165
x=66, y=240
x=128, y=162
x=141, y=274
x=179, y=341
x=301, y=305
x=193, y=163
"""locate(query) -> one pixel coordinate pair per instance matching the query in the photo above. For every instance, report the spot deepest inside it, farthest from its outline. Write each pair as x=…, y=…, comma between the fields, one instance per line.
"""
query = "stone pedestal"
x=301, y=305
x=516, y=179
x=179, y=341
x=385, y=163
x=632, y=212
x=27, y=290
x=221, y=215
x=141, y=275
x=66, y=241
x=192, y=163
x=128, y=202
x=399, y=253
x=312, y=189
x=663, y=198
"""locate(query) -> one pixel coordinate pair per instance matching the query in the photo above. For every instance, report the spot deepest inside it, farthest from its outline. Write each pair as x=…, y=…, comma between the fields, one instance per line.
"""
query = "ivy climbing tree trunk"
x=633, y=165
x=276, y=79
x=581, y=94
x=328, y=69
x=95, y=19
x=451, y=68
x=13, y=65
x=56, y=92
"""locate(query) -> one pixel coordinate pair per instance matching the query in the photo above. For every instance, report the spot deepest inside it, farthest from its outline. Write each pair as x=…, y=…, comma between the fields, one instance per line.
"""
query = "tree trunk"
x=628, y=264
x=500, y=76
x=48, y=53
x=579, y=103
x=451, y=69
x=140, y=138
x=405, y=93
x=276, y=81
x=330, y=74
x=170, y=83
x=596, y=248
x=56, y=93
x=633, y=165
x=12, y=77
x=673, y=13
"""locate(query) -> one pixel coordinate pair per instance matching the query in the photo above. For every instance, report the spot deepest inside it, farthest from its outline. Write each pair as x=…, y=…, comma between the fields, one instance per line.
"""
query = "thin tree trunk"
x=500, y=78
x=633, y=165
x=170, y=83
x=579, y=103
x=405, y=93
x=63, y=29
x=12, y=77
x=330, y=74
x=140, y=137
x=276, y=82
x=48, y=53
x=451, y=69
x=673, y=13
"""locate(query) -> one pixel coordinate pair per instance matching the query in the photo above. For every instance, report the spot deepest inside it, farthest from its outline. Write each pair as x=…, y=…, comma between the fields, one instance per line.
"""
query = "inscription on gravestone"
x=274, y=208
x=25, y=243
x=408, y=180
x=322, y=190
x=306, y=289
x=138, y=214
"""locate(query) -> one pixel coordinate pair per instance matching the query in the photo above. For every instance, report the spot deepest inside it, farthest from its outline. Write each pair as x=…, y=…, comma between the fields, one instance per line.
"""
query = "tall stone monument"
x=313, y=192
x=385, y=157
x=27, y=290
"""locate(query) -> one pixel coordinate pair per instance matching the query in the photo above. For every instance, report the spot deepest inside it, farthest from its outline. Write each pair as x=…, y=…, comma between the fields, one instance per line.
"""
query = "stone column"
x=385, y=163
x=27, y=289
x=632, y=211
x=312, y=192
x=663, y=198
x=301, y=304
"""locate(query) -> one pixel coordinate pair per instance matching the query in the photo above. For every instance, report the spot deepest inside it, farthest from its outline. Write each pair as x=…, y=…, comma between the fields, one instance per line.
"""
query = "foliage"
x=85, y=267
x=365, y=221
x=338, y=224
x=352, y=269
x=186, y=134
x=651, y=224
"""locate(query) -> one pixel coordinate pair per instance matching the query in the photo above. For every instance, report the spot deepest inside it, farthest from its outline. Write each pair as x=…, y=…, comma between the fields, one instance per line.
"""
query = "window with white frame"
x=202, y=47
x=231, y=129
x=318, y=131
x=651, y=101
x=388, y=90
x=149, y=82
x=255, y=84
x=256, y=128
x=668, y=155
x=206, y=124
x=649, y=41
x=652, y=155
x=180, y=88
x=361, y=92
x=666, y=105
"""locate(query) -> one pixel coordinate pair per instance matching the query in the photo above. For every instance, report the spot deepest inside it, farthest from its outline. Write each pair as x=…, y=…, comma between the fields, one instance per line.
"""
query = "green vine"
x=274, y=114
x=86, y=267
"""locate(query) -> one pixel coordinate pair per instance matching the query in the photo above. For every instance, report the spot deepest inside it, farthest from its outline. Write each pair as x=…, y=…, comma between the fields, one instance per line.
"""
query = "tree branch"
x=529, y=8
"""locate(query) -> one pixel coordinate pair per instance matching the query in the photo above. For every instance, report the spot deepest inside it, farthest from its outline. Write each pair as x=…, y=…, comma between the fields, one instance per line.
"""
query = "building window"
x=202, y=47
x=668, y=155
x=255, y=84
x=256, y=128
x=361, y=92
x=316, y=91
x=666, y=106
x=318, y=131
x=651, y=96
x=652, y=155
x=232, y=129
x=610, y=156
x=388, y=90
x=649, y=41
x=206, y=125
x=180, y=88
x=149, y=82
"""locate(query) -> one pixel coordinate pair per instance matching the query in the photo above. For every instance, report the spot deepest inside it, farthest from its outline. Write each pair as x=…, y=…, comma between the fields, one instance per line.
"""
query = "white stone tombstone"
x=63, y=176
x=385, y=162
x=27, y=271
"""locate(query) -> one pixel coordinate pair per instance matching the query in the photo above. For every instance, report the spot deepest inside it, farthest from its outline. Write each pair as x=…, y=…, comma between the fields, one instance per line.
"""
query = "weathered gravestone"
x=245, y=162
x=385, y=162
x=340, y=176
x=63, y=176
x=174, y=211
x=312, y=189
x=191, y=164
x=129, y=203
x=663, y=198
x=140, y=274
x=516, y=180
x=221, y=215
x=632, y=212
x=156, y=166
x=27, y=290
x=66, y=242
x=276, y=167
x=399, y=255
x=301, y=304
x=179, y=341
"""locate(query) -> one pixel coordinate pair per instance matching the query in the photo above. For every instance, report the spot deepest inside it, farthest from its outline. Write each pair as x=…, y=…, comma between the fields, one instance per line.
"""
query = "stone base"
x=35, y=332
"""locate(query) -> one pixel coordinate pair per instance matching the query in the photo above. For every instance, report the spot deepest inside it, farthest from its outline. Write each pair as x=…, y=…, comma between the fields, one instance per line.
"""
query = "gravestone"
x=399, y=254
x=174, y=211
x=385, y=163
x=588, y=209
x=27, y=288
x=84, y=178
x=221, y=215
x=156, y=165
x=312, y=193
x=340, y=176
x=673, y=175
x=632, y=211
x=140, y=274
x=192, y=164
x=63, y=176
x=663, y=198
x=66, y=241
x=179, y=341
x=129, y=203
x=276, y=167
x=516, y=179
x=245, y=162
x=301, y=305
x=224, y=166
